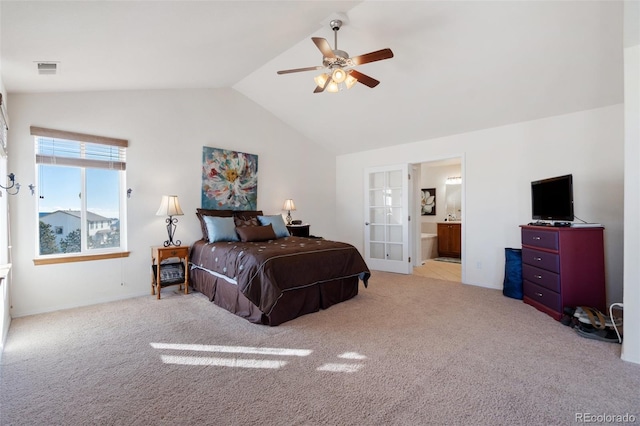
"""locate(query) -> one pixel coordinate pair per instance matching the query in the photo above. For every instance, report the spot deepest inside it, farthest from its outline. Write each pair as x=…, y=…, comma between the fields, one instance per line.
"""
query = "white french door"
x=386, y=226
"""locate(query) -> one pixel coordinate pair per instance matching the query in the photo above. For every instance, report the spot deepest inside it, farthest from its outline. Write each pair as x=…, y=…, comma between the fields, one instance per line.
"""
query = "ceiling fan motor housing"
x=341, y=60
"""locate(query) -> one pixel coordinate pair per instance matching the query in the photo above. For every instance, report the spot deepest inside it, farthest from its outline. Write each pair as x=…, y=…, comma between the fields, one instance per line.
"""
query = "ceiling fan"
x=339, y=67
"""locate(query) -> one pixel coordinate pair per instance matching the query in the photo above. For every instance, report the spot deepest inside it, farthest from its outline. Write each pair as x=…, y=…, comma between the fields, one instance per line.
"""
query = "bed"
x=248, y=264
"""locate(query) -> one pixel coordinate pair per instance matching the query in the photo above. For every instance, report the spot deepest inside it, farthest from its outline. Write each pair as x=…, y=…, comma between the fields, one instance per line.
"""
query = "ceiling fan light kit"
x=339, y=69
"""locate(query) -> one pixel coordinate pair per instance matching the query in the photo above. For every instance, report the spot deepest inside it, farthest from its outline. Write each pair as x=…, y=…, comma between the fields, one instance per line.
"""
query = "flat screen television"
x=552, y=199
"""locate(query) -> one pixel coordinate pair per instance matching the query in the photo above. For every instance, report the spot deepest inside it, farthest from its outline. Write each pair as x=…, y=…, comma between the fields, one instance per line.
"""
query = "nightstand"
x=299, y=230
x=165, y=273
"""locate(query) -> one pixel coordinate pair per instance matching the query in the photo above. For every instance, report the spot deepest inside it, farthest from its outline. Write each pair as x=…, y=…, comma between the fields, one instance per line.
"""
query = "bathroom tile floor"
x=440, y=270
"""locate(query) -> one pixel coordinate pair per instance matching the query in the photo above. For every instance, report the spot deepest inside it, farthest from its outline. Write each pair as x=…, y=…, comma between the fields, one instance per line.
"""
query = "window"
x=80, y=193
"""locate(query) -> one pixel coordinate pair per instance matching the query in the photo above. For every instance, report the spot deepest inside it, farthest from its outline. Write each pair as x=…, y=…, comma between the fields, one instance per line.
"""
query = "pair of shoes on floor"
x=604, y=335
x=567, y=316
x=594, y=317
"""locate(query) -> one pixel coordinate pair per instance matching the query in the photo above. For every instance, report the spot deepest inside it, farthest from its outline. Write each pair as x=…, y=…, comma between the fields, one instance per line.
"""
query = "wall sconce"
x=12, y=179
x=169, y=206
x=288, y=206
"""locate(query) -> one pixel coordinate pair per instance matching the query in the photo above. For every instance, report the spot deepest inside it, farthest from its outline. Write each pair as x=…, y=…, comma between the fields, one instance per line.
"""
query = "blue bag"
x=512, y=286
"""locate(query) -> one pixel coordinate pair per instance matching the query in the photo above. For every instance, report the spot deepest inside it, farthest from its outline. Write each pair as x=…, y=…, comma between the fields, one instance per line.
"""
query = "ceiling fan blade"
x=320, y=89
x=364, y=79
x=378, y=55
x=319, y=67
x=324, y=47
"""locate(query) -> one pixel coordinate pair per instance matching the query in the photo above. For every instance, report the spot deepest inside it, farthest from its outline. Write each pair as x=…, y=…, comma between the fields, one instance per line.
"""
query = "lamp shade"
x=288, y=205
x=169, y=206
x=339, y=75
x=321, y=79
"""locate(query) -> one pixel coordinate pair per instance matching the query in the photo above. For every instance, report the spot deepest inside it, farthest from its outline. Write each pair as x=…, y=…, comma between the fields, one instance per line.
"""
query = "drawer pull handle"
x=536, y=238
x=537, y=259
x=538, y=294
x=538, y=276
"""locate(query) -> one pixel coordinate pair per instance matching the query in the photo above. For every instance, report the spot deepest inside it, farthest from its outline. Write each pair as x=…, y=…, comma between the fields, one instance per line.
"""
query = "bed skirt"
x=292, y=303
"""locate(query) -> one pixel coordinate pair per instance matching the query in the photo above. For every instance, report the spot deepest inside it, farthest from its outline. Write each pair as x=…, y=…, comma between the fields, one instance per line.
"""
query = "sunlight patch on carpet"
x=222, y=362
x=340, y=368
x=352, y=355
x=232, y=349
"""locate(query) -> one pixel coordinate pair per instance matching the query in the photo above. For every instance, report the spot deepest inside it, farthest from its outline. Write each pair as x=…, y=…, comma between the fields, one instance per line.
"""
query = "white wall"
x=5, y=318
x=631, y=343
x=166, y=132
x=500, y=164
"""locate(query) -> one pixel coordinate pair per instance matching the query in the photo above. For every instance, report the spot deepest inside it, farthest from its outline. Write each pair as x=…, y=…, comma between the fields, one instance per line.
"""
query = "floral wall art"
x=229, y=180
x=428, y=207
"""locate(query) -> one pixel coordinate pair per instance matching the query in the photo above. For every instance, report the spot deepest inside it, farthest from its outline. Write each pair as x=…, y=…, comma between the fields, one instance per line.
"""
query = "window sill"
x=79, y=258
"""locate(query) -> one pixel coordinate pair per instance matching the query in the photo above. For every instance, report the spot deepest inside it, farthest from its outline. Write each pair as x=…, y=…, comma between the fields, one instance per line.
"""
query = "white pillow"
x=277, y=222
x=221, y=229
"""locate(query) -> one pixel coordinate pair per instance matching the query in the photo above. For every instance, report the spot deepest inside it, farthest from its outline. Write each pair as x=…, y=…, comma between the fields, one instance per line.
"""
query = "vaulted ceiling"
x=458, y=66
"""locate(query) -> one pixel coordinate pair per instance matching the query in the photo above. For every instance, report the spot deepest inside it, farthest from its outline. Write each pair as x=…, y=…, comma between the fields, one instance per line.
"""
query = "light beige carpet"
x=406, y=351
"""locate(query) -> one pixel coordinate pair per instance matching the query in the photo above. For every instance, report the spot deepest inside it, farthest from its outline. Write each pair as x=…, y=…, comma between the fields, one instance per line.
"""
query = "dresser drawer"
x=541, y=277
x=540, y=238
x=541, y=259
x=542, y=295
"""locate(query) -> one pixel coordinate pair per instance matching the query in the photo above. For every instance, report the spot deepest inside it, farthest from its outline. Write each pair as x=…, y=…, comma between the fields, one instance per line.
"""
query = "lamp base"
x=171, y=229
x=289, y=217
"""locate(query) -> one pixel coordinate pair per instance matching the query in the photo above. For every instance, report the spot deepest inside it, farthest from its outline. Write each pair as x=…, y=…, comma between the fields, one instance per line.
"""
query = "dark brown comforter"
x=264, y=271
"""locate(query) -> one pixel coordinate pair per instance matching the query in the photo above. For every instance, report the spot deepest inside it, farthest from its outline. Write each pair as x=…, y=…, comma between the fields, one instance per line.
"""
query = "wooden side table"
x=299, y=230
x=166, y=274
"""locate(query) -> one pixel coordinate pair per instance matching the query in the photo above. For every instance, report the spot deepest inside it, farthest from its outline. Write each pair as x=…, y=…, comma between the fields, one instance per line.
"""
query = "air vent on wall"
x=47, y=68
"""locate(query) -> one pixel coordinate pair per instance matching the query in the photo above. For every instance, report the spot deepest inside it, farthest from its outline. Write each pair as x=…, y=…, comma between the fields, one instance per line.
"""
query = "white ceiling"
x=459, y=66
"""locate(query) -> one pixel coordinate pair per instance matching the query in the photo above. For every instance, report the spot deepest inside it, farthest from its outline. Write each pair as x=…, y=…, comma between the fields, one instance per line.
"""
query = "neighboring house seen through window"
x=80, y=189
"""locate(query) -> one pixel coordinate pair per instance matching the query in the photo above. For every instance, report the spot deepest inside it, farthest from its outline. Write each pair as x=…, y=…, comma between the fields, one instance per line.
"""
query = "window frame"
x=83, y=163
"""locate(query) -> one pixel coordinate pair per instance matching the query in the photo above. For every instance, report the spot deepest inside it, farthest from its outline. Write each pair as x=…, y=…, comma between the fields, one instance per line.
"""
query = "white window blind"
x=63, y=148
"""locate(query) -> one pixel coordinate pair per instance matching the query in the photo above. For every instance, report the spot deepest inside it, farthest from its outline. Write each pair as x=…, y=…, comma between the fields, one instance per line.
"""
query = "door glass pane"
x=376, y=180
x=103, y=208
x=395, y=197
x=377, y=250
x=395, y=234
x=394, y=216
x=394, y=251
x=395, y=179
x=376, y=215
x=377, y=233
x=376, y=198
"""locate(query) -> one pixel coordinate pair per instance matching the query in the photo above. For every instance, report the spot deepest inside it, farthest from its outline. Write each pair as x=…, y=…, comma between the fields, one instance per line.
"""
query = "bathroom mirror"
x=453, y=201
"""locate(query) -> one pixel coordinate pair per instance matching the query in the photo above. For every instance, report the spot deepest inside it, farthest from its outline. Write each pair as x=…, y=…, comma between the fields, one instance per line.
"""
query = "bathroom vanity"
x=450, y=239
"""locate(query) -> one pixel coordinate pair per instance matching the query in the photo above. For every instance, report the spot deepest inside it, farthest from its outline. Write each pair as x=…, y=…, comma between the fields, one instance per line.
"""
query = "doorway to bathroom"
x=438, y=232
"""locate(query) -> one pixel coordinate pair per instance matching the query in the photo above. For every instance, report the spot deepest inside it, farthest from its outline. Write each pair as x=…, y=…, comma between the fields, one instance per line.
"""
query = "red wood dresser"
x=563, y=266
